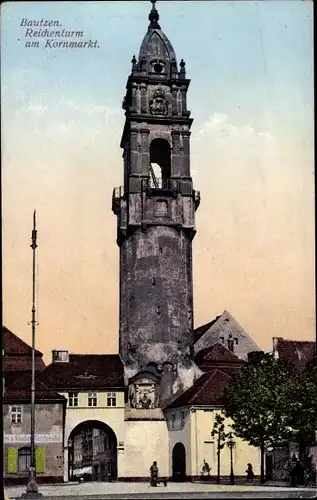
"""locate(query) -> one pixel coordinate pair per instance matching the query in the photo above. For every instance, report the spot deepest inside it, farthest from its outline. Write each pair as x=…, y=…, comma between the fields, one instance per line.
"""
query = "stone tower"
x=155, y=210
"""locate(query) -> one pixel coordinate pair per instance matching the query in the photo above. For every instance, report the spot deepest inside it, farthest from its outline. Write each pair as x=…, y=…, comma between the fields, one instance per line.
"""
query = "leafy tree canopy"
x=256, y=401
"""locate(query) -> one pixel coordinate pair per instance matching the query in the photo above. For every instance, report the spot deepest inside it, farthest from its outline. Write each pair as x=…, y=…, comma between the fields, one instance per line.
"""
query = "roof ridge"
x=93, y=354
x=5, y=329
x=211, y=375
x=297, y=341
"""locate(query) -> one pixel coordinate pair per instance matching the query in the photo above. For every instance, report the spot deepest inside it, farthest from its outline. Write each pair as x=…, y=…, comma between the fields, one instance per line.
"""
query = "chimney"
x=275, y=347
x=59, y=356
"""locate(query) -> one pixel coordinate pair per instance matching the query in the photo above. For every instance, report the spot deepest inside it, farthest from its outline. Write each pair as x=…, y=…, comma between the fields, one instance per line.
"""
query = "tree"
x=300, y=395
x=256, y=401
x=221, y=436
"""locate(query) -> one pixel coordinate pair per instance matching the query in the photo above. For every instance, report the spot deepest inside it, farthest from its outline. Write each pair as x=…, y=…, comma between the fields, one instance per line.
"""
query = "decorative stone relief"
x=143, y=394
x=159, y=104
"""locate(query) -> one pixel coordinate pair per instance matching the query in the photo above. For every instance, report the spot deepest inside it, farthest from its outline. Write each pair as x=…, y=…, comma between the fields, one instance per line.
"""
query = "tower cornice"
x=154, y=80
x=168, y=120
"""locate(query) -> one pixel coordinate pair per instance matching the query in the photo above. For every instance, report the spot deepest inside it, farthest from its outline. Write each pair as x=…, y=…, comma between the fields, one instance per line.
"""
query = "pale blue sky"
x=251, y=98
x=249, y=57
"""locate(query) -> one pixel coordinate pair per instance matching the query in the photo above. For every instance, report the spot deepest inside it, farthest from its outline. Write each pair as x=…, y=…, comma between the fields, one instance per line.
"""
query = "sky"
x=252, y=158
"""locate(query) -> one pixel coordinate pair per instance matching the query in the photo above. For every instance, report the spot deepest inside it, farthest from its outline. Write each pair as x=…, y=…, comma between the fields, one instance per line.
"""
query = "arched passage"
x=92, y=452
x=179, y=462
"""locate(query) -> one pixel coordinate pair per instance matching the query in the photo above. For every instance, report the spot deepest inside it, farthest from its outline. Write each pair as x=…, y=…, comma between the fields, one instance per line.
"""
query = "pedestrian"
x=297, y=474
x=250, y=473
x=154, y=474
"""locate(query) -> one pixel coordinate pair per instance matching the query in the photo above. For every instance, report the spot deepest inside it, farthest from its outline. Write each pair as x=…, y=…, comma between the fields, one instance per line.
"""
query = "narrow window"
x=173, y=421
x=222, y=339
x=16, y=414
x=158, y=310
x=73, y=399
x=92, y=399
x=153, y=282
x=161, y=250
x=236, y=340
x=24, y=459
x=160, y=153
x=111, y=399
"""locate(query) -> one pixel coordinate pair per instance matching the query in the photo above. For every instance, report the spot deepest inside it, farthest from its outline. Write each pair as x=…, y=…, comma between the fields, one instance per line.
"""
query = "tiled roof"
x=12, y=345
x=222, y=327
x=23, y=395
x=85, y=371
x=21, y=391
x=207, y=390
x=295, y=352
x=12, y=377
x=199, y=332
x=216, y=353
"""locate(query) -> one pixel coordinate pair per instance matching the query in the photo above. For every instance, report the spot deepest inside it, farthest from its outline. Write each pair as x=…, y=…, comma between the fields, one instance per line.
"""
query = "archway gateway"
x=92, y=452
x=179, y=462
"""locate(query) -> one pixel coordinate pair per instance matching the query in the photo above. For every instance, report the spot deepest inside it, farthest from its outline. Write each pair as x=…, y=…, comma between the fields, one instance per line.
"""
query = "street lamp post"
x=231, y=445
x=32, y=487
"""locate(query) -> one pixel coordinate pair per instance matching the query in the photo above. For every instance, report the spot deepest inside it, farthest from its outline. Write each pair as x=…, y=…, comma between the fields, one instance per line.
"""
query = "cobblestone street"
x=173, y=490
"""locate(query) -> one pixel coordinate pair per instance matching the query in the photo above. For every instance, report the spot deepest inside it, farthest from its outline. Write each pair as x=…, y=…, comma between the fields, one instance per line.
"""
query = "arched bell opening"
x=160, y=162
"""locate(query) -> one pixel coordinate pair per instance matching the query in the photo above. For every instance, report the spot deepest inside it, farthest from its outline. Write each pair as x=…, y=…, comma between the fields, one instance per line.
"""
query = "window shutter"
x=40, y=459
x=12, y=460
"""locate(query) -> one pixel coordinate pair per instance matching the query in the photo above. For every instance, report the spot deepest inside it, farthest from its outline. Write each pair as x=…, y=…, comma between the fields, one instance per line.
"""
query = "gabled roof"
x=199, y=332
x=20, y=391
x=11, y=377
x=297, y=353
x=222, y=327
x=85, y=371
x=13, y=345
x=207, y=390
x=216, y=353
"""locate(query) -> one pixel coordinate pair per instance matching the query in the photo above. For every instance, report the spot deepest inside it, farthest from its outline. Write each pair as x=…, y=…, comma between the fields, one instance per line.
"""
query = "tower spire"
x=154, y=16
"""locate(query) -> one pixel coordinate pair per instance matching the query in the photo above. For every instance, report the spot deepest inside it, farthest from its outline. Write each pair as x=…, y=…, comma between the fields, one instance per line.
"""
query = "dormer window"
x=173, y=421
x=158, y=68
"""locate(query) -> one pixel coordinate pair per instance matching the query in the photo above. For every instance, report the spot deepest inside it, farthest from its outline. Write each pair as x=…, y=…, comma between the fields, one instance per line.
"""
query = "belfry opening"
x=160, y=159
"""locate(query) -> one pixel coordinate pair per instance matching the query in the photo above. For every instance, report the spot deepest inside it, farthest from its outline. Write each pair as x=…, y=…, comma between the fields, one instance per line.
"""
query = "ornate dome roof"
x=156, y=53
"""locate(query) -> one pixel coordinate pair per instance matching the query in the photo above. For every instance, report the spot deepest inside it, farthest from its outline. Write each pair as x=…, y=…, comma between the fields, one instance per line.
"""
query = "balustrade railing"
x=175, y=185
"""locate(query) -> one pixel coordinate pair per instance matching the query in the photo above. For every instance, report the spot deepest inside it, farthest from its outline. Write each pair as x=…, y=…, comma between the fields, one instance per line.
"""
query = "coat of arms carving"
x=159, y=103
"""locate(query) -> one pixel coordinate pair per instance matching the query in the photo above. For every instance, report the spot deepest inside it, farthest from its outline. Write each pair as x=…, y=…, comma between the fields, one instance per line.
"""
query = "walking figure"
x=297, y=474
x=250, y=473
x=154, y=474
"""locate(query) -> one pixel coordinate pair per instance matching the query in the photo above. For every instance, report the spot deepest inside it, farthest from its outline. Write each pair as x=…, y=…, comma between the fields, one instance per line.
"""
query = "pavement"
x=140, y=491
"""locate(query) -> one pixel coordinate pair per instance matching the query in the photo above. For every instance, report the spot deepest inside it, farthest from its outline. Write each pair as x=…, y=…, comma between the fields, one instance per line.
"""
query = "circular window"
x=158, y=68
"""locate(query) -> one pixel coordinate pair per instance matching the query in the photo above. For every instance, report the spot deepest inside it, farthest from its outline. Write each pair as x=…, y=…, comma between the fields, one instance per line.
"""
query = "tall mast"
x=32, y=487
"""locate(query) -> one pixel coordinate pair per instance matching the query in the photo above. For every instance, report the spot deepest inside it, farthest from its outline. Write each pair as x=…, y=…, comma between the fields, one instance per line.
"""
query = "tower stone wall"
x=155, y=210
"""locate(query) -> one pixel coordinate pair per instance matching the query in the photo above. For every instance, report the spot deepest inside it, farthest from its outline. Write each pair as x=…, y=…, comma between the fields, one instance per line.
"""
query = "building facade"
x=49, y=413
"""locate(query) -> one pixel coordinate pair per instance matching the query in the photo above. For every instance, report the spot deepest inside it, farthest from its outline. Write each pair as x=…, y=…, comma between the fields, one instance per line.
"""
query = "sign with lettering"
x=39, y=438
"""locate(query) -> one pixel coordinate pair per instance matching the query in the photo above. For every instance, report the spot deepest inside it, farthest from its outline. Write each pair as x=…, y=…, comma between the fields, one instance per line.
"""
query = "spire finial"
x=154, y=16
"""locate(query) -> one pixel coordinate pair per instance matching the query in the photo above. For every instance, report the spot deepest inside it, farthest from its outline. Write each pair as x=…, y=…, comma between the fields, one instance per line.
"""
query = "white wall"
x=180, y=434
x=204, y=449
x=112, y=416
x=145, y=442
